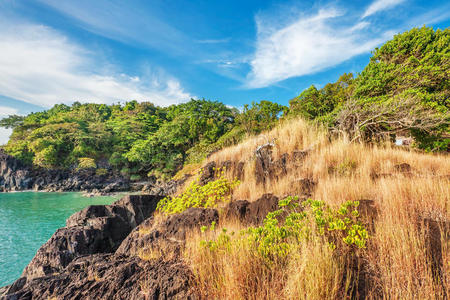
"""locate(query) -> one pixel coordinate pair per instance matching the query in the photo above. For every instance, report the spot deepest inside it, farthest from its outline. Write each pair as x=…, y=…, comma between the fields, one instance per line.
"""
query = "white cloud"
x=305, y=46
x=380, y=5
x=5, y=133
x=40, y=66
x=6, y=111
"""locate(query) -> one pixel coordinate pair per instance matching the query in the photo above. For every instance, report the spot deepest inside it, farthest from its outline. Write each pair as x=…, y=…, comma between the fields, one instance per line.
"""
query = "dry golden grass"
x=343, y=171
x=241, y=273
x=288, y=136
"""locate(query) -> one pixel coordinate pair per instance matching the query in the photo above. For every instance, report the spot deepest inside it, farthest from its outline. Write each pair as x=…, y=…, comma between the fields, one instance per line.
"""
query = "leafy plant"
x=86, y=163
x=285, y=229
x=101, y=172
x=196, y=195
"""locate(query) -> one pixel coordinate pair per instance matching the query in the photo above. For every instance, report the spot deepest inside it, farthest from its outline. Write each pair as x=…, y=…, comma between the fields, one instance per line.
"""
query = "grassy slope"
x=396, y=251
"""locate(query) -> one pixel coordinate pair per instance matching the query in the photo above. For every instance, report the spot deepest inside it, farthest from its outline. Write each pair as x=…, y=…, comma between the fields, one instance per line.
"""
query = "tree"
x=260, y=116
x=406, y=87
x=11, y=121
x=313, y=103
x=370, y=121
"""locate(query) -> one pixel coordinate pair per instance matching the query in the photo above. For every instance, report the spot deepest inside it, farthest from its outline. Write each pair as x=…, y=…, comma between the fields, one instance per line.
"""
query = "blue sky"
x=57, y=51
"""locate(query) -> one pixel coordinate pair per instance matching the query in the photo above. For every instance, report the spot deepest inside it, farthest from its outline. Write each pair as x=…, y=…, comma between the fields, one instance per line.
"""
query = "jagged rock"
x=236, y=168
x=165, y=188
x=305, y=185
x=236, y=210
x=95, y=229
x=14, y=175
x=436, y=231
x=263, y=162
x=172, y=231
x=106, y=276
x=257, y=211
x=252, y=212
x=403, y=168
x=208, y=173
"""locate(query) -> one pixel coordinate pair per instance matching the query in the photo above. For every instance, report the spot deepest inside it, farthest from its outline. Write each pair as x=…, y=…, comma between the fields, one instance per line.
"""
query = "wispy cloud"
x=307, y=45
x=380, y=5
x=6, y=111
x=40, y=66
x=127, y=22
x=214, y=41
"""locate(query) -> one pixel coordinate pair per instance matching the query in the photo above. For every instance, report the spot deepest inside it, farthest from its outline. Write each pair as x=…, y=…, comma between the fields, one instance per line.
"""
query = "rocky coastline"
x=101, y=253
x=16, y=176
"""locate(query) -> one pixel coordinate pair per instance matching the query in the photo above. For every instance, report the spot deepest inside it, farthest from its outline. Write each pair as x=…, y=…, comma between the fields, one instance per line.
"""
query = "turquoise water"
x=28, y=220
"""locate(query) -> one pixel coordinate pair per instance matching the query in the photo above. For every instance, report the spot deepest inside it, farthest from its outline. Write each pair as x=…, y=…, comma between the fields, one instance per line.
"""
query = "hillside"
x=403, y=199
x=303, y=216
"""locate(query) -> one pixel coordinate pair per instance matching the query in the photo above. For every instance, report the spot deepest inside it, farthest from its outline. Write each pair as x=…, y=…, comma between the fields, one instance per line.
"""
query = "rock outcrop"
x=107, y=276
x=171, y=232
x=95, y=229
x=13, y=174
x=84, y=261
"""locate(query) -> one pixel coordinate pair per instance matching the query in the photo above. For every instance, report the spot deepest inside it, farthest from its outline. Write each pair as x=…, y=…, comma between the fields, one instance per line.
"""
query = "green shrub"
x=101, y=172
x=312, y=219
x=196, y=195
x=86, y=163
x=125, y=171
x=135, y=177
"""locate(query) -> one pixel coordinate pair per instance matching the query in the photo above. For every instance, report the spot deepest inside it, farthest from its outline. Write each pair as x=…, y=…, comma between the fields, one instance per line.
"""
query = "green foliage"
x=192, y=126
x=11, y=121
x=413, y=65
x=140, y=137
x=285, y=229
x=86, y=163
x=196, y=195
x=405, y=87
x=135, y=177
x=260, y=116
x=313, y=103
x=101, y=172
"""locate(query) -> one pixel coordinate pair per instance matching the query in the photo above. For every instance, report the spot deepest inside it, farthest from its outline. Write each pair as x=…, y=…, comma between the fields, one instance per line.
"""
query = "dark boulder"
x=95, y=229
x=171, y=231
x=208, y=173
x=403, y=168
x=263, y=162
x=106, y=276
x=252, y=212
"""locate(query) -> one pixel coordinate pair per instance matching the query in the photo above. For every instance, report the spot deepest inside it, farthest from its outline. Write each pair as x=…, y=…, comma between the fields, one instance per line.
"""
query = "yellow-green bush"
x=101, y=172
x=196, y=195
x=312, y=219
x=86, y=163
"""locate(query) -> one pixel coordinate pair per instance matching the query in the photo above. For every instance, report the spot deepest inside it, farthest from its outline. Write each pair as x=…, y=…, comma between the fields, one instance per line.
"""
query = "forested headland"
x=404, y=89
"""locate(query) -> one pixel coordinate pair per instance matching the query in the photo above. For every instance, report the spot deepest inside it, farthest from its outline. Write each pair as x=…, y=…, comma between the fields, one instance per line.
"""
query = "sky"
x=167, y=52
